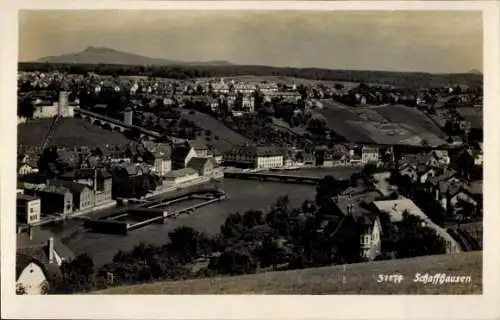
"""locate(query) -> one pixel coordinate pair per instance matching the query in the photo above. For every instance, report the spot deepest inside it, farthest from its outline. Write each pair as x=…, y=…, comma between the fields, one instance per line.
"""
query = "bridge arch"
x=97, y=122
x=106, y=126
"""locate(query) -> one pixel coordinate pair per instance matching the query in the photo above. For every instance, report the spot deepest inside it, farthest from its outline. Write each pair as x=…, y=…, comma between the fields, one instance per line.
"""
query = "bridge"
x=299, y=179
x=113, y=124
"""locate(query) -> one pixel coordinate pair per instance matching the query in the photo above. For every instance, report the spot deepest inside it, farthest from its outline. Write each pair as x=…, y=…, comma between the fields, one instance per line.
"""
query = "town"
x=95, y=148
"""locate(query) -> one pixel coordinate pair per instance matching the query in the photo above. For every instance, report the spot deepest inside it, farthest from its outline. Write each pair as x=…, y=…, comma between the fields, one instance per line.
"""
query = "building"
x=258, y=157
x=128, y=115
x=200, y=148
x=28, y=209
x=39, y=256
x=31, y=277
x=181, y=176
x=99, y=182
x=248, y=103
x=369, y=155
x=83, y=197
x=396, y=209
x=54, y=199
x=204, y=166
x=181, y=154
x=370, y=237
x=162, y=163
x=355, y=203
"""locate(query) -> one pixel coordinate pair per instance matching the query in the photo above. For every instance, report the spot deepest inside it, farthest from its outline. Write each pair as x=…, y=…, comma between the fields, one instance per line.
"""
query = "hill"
x=95, y=55
x=394, y=125
x=70, y=132
x=227, y=138
x=359, y=279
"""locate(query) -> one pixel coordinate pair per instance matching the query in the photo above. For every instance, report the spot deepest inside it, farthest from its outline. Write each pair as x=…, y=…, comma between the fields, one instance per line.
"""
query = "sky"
x=427, y=41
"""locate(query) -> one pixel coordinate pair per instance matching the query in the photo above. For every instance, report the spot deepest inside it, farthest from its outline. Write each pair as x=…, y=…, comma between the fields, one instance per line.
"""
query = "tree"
x=26, y=108
x=327, y=188
x=415, y=238
x=188, y=243
x=235, y=262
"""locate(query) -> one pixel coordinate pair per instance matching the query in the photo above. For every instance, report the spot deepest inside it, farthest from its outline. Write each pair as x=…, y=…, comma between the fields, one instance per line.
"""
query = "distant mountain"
x=96, y=55
x=475, y=71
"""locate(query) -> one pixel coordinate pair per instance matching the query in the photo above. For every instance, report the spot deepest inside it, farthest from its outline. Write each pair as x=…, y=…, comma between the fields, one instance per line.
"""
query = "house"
x=162, y=163
x=83, y=196
x=396, y=209
x=442, y=157
x=28, y=209
x=25, y=169
x=39, y=256
x=181, y=154
x=456, y=199
x=340, y=155
x=200, y=148
x=31, y=276
x=181, y=176
x=370, y=238
x=259, y=157
x=204, y=166
x=248, y=103
x=369, y=155
x=98, y=180
x=217, y=155
x=54, y=199
x=356, y=203
x=443, y=185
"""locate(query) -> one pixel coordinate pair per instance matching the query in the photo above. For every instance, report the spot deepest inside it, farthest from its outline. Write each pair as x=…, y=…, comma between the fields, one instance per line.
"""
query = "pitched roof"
x=181, y=173
x=74, y=187
x=445, y=176
x=86, y=173
x=26, y=197
x=197, y=144
x=198, y=163
x=53, y=189
x=38, y=256
x=476, y=187
x=39, y=238
x=356, y=205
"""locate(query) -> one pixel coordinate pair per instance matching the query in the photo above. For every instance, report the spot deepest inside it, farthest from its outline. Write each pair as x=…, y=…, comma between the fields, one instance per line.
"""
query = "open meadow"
x=358, y=278
x=226, y=137
x=386, y=125
x=69, y=132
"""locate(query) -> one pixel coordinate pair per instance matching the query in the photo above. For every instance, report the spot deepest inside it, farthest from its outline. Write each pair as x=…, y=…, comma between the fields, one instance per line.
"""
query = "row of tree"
x=404, y=79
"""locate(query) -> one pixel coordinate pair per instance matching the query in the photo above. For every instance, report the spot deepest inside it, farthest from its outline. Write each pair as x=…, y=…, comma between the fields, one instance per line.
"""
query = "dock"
x=135, y=217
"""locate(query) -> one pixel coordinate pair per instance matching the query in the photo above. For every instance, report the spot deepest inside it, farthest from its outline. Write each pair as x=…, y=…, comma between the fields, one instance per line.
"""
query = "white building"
x=181, y=176
x=30, y=276
x=28, y=209
x=369, y=155
x=255, y=156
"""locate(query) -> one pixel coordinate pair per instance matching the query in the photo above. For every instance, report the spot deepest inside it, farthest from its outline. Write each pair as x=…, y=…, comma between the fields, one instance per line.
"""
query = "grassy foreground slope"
x=359, y=279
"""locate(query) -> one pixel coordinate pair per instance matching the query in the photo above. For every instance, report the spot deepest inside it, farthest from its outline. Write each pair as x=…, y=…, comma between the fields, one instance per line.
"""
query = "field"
x=396, y=125
x=70, y=132
x=228, y=138
x=358, y=279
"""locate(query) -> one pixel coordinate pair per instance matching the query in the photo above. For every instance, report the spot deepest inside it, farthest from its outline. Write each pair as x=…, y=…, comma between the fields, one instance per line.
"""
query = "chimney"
x=51, y=250
x=95, y=180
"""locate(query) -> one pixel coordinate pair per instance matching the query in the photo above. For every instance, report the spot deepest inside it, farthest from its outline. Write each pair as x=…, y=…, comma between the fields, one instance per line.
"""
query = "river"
x=243, y=195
